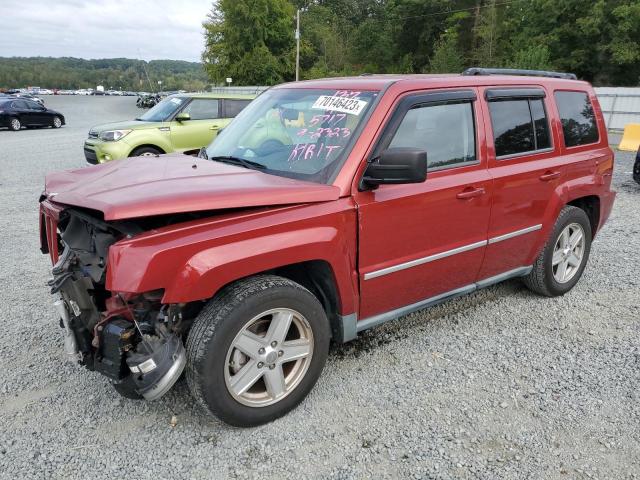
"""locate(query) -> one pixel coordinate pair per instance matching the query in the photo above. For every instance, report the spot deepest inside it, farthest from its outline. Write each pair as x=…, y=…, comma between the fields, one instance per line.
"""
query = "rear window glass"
x=234, y=107
x=578, y=118
x=519, y=126
x=512, y=128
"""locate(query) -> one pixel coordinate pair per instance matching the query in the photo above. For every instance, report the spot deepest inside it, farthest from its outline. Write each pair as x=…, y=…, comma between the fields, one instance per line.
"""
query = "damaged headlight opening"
x=132, y=339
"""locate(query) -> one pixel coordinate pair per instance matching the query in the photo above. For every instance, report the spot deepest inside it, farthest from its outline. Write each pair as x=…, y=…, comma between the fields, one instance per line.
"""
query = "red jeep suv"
x=325, y=208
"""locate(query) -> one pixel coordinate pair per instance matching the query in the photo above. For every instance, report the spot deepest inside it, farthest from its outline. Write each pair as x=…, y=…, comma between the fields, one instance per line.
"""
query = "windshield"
x=296, y=133
x=163, y=110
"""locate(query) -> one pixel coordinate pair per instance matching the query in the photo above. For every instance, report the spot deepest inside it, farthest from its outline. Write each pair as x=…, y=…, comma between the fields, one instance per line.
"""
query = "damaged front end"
x=133, y=339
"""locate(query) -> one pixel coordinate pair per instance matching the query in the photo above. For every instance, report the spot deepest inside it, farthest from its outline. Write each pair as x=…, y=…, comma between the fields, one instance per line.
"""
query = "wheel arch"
x=590, y=204
x=146, y=145
x=319, y=278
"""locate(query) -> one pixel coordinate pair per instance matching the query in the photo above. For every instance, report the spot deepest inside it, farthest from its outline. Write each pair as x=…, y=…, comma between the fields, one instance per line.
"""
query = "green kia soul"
x=179, y=123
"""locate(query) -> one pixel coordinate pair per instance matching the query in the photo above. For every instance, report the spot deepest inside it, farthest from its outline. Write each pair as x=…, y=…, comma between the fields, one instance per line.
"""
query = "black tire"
x=541, y=280
x=145, y=151
x=127, y=389
x=15, y=124
x=636, y=169
x=217, y=325
x=56, y=122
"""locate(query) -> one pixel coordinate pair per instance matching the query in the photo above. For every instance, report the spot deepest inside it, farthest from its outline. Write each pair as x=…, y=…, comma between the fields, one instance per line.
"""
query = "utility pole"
x=297, y=44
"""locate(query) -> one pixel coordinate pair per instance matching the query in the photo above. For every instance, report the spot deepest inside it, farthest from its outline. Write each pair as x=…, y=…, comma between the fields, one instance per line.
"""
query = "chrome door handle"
x=470, y=192
x=214, y=127
x=547, y=176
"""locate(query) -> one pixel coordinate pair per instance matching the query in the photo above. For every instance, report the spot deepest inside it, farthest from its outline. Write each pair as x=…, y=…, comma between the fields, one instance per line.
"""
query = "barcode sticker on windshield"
x=354, y=106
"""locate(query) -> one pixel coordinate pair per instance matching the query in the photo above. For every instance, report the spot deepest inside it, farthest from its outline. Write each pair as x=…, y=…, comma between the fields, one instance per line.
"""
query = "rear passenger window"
x=519, y=126
x=578, y=119
x=234, y=107
x=446, y=132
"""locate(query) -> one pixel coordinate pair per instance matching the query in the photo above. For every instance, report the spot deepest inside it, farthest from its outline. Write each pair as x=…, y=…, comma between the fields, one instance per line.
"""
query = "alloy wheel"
x=568, y=253
x=15, y=124
x=57, y=123
x=269, y=357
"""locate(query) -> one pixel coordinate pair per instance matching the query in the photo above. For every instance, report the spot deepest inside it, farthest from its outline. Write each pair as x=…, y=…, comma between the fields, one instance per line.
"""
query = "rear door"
x=526, y=168
x=201, y=129
x=418, y=241
x=25, y=114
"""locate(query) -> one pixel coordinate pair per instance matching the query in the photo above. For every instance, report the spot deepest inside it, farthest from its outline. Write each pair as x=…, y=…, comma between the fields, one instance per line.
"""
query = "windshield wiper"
x=238, y=161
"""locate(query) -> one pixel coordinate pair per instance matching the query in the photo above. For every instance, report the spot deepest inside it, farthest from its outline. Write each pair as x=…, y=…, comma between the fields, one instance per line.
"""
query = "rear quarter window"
x=233, y=107
x=578, y=119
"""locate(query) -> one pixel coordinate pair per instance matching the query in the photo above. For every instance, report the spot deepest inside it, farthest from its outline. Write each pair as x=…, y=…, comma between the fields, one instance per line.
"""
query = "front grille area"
x=90, y=155
x=93, y=134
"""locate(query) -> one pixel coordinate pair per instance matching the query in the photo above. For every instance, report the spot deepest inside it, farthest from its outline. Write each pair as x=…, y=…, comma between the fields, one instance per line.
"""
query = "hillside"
x=116, y=73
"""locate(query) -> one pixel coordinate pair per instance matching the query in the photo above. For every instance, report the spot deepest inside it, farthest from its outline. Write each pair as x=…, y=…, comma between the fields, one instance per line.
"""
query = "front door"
x=202, y=127
x=419, y=241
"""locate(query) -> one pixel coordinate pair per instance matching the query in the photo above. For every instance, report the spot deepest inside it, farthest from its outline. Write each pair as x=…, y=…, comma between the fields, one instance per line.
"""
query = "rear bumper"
x=97, y=151
x=606, y=205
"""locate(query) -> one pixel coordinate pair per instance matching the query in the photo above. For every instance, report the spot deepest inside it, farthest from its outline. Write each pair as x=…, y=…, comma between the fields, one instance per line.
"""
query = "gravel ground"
x=499, y=384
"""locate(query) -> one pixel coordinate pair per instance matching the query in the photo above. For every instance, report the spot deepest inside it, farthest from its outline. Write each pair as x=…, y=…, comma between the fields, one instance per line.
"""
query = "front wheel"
x=145, y=152
x=564, y=257
x=57, y=122
x=257, y=350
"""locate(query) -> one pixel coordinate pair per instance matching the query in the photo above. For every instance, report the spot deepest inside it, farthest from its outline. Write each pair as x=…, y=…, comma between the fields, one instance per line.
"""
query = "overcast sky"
x=146, y=29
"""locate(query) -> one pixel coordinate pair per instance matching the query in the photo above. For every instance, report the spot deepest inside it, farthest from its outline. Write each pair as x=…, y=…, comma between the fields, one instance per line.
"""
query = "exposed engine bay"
x=134, y=340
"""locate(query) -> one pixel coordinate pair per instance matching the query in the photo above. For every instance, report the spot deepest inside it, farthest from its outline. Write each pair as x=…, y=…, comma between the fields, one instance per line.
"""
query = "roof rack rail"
x=516, y=71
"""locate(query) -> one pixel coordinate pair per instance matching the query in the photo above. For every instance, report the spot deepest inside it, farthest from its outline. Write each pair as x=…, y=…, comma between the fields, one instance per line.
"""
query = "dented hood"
x=145, y=186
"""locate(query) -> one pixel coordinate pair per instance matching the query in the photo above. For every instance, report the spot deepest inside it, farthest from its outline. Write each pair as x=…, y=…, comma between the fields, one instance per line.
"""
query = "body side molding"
x=448, y=253
x=351, y=326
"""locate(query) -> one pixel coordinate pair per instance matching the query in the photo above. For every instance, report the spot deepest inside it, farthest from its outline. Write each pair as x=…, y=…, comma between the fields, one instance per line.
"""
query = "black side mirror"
x=396, y=166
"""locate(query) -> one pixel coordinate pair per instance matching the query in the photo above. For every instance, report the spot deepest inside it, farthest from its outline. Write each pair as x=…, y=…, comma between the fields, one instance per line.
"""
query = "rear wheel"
x=564, y=257
x=145, y=152
x=14, y=124
x=257, y=350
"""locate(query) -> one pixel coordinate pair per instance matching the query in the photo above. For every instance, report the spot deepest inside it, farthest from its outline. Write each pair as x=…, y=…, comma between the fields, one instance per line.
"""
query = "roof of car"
x=234, y=96
x=381, y=81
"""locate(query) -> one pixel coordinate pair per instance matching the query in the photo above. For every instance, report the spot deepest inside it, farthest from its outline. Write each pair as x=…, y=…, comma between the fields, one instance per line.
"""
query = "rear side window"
x=202, y=109
x=446, y=132
x=578, y=118
x=234, y=107
x=519, y=126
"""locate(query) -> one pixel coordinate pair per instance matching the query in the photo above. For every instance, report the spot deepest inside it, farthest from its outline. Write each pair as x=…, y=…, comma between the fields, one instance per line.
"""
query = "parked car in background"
x=177, y=124
x=16, y=113
x=636, y=167
x=28, y=96
x=367, y=198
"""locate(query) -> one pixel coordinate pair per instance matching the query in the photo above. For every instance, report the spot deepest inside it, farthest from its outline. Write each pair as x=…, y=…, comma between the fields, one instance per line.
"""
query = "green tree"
x=250, y=41
x=535, y=57
x=447, y=55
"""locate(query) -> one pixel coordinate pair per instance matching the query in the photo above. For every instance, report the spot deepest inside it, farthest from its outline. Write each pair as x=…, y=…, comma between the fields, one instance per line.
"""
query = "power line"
x=448, y=12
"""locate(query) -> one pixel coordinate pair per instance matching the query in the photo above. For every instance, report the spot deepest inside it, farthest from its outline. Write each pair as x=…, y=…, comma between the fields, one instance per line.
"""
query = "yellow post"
x=631, y=138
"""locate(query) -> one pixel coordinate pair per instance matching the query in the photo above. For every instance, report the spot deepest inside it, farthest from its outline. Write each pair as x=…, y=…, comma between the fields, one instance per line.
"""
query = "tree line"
x=113, y=73
x=253, y=41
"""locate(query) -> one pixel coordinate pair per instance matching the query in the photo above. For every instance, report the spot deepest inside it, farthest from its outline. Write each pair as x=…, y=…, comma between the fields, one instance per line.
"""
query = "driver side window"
x=203, y=109
x=445, y=131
